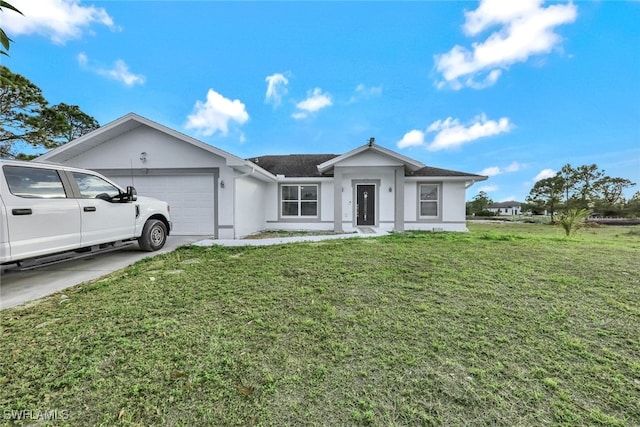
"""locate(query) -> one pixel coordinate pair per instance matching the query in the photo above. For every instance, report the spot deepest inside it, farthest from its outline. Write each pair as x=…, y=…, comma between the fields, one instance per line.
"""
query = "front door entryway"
x=366, y=206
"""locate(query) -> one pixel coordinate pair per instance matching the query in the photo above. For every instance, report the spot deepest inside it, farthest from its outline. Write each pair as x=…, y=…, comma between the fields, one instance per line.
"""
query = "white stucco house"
x=506, y=208
x=215, y=193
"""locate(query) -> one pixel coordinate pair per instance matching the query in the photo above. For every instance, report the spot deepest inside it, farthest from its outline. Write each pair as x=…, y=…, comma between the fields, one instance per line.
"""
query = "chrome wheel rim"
x=157, y=236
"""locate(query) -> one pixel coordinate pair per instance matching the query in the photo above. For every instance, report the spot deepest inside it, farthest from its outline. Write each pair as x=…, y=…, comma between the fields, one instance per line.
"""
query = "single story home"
x=506, y=208
x=215, y=193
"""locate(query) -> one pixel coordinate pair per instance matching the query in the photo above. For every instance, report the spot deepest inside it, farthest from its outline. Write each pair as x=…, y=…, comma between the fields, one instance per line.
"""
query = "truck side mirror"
x=132, y=195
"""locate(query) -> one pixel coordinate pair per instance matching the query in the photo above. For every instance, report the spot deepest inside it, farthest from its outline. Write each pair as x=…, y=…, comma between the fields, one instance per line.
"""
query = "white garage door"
x=191, y=198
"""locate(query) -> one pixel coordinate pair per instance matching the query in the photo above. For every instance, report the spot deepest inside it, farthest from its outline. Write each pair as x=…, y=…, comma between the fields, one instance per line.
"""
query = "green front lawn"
x=511, y=324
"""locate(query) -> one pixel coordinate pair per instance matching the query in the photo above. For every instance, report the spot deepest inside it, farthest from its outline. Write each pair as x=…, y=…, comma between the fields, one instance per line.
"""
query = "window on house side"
x=299, y=200
x=429, y=199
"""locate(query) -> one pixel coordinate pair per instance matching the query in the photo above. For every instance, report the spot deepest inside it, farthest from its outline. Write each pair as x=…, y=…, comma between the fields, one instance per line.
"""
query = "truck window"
x=34, y=182
x=93, y=187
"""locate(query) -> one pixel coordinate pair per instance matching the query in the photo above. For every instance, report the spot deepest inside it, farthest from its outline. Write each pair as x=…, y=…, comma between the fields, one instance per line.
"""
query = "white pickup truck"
x=48, y=209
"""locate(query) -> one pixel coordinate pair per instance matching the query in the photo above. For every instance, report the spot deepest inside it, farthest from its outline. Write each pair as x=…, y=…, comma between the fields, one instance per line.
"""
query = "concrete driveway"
x=18, y=287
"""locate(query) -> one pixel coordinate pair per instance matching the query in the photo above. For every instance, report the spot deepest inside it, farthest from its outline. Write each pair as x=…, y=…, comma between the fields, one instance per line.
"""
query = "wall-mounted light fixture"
x=221, y=184
x=143, y=156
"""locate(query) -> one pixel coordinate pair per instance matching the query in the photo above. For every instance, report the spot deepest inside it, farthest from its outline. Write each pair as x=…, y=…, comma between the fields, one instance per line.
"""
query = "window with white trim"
x=429, y=200
x=299, y=200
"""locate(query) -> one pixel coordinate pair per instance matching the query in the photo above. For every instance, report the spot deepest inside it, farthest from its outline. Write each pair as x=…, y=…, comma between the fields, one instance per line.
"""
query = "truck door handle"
x=89, y=209
x=26, y=211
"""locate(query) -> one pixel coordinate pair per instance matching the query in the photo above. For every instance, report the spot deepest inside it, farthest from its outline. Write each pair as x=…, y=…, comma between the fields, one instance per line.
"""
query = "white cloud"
x=59, y=20
x=497, y=170
x=544, y=173
x=365, y=92
x=215, y=113
x=451, y=133
x=276, y=88
x=525, y=29
x=491, y=171
x=495, y=12
x=83, y=59
x=488, y=188
x=368, y=91
x=412, y=138
x=316, y=100
x=119, y=71
x=513, y=167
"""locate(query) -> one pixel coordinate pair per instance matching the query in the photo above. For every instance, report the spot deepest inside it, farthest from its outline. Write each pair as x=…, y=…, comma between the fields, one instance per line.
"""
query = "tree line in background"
x=27, y=119
x=585, y=187
x=479, y=205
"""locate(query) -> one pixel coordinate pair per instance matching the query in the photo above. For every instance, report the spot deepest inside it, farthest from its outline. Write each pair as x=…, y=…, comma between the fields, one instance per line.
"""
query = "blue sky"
x=513, y=90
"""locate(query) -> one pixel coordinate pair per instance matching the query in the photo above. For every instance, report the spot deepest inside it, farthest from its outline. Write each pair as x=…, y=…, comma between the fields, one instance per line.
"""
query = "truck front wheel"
x=154, y=235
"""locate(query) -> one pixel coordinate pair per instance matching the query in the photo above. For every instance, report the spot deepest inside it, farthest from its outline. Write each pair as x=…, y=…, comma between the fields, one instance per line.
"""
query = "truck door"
x=105, y=217
x=41, y=217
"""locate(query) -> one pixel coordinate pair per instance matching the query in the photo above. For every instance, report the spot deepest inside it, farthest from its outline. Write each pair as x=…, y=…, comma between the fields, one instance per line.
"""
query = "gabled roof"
x=292, y=165
x=319, y=165
x=127, y=123
x=409, y=163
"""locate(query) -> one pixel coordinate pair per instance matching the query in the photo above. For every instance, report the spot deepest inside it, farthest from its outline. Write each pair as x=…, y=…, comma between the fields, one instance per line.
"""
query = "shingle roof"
x=293, y=165
x=306, y=165
x=431, y=171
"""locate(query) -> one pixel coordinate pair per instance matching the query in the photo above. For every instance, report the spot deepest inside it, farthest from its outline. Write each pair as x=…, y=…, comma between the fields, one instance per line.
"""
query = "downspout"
x=235, y=216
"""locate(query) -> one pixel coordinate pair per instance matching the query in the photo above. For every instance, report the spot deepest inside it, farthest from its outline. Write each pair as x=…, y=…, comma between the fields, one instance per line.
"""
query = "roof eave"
x=70, y=147
x=251, y=168
x=473, y=178
x=131, y=121
x=411, y=164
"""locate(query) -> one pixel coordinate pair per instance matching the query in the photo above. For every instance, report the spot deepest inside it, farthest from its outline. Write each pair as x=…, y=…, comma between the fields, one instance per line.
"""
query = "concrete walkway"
x=362, y=232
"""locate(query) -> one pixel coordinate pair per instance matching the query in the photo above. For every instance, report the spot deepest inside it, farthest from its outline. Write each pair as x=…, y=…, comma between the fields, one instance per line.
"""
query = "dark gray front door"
x=366, y=209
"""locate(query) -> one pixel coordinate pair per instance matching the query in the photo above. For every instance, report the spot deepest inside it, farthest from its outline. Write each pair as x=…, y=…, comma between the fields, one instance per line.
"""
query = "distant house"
x=215, y=193
x=506, y=208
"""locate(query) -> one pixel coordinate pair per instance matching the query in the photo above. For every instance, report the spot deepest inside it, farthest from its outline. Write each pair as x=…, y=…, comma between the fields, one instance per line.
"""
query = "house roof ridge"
x=505, y=204
x=293, y=154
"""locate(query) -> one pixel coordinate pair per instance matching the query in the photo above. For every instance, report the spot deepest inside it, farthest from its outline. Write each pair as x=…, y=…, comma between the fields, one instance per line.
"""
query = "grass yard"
x=511, y=324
